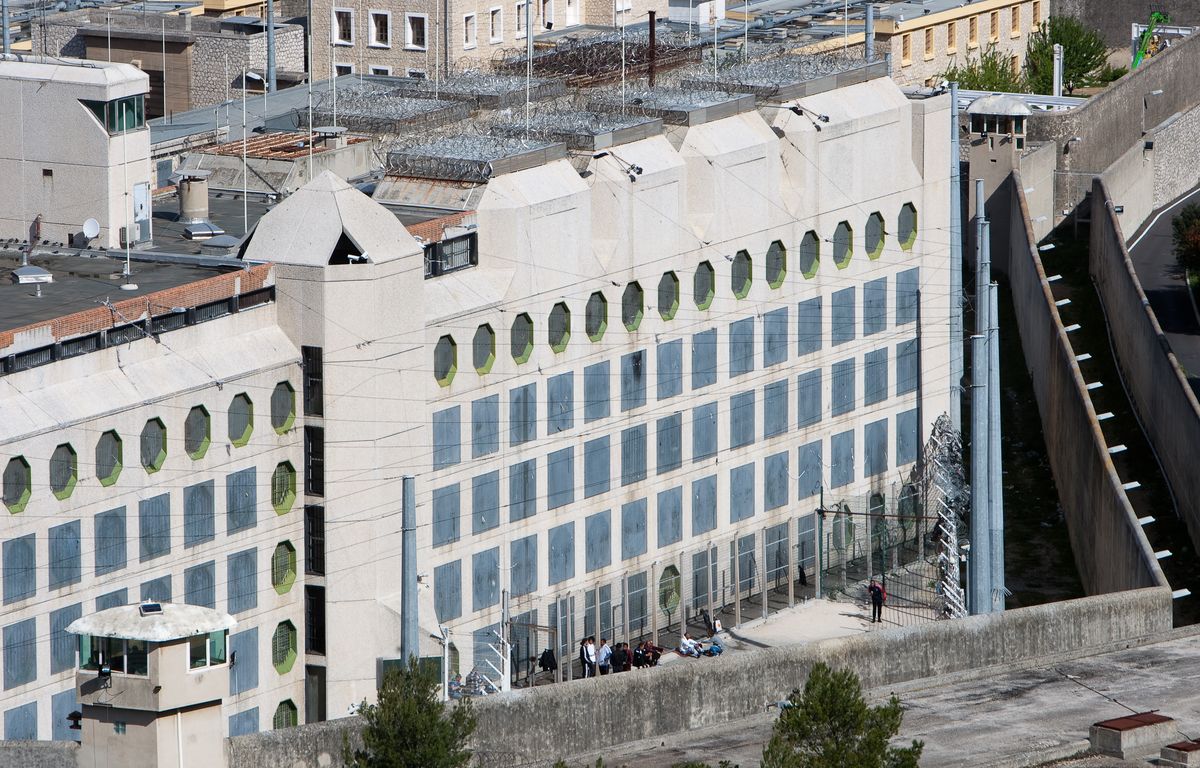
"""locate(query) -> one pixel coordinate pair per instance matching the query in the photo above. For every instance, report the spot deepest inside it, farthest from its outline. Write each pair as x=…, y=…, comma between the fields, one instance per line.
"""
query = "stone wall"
x=1176, y=158
x=537, y=726
x=1158, y=387
x=39, y=754
x=50, y=39
x=1110, y=547
x=217, y=61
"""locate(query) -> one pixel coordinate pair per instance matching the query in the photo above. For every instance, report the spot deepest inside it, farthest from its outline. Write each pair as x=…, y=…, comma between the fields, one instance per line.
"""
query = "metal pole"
x=308, y=51
x=765, y=575
x=445, y=663
x=820, y=544
x=271, y=46
x=653, y=50
x=652, y=601
x=737, y=583
x=409, y=647
x=1058, y=70
x=505, y=647
x=245, y=174
x=792, y=563
x=166, y=111
x=4, y=21
x=956, y=264
x=528, y=59
x=869, y=34
x=981, y=598
x=995, y=469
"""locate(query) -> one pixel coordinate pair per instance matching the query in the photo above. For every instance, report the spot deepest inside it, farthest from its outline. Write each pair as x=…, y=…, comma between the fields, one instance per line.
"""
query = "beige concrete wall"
x=1037, y=173
x=1131, y=179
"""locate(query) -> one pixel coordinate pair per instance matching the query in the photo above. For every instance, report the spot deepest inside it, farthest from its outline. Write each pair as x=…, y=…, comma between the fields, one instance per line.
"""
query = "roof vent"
x=30, y=275
x=150, y=609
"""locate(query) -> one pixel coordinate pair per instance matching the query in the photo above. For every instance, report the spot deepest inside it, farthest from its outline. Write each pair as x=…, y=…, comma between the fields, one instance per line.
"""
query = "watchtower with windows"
x=150, y=681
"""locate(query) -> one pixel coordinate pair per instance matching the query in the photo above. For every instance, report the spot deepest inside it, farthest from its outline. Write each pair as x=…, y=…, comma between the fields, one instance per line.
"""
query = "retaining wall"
x=535, y=727
x=38, y=754
x=1158, y=387
x=1110, y=547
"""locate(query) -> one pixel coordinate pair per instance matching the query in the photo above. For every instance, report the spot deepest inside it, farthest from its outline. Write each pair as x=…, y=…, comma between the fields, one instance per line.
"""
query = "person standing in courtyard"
x=878, y=596
x=603, y=656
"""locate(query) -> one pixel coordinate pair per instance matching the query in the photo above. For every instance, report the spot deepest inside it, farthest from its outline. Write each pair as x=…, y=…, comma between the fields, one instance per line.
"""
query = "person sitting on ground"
x=688, y=647
x=714, y=648
x=653, y=652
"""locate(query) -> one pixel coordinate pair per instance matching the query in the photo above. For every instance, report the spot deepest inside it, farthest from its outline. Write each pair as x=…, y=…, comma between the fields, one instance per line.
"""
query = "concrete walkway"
x=1163, y=281
x=1022, y=716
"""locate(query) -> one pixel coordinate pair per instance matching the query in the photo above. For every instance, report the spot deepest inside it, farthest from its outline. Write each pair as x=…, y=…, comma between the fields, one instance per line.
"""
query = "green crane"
x=1143, y=48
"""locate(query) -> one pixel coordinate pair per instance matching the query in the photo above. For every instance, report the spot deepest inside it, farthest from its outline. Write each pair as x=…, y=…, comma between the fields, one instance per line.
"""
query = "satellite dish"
x=91, y=228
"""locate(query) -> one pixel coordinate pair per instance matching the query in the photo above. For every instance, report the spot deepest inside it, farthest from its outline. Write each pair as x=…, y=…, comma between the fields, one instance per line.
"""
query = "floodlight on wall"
x=1046, y=247
x=631, y=169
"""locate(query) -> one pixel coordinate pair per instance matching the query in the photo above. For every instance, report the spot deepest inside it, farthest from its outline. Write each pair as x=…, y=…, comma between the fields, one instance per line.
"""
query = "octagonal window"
x=197, y=432
x=704, y=285
x=521, y=338
x=558, y=328
x=283, y=407
x=742, y=274
x=108, y=458
x=633, y=303
x=286, y=715
x=283, y=647
x=153, y=445
x=843, y=244
x=445, y=360
x=241, y=419
x=874, y=235
x=283, y=487
x=18, y=483
x=668, y=296
x=776, y=264
x=483, y=349
x=283, y=567
x=64, y=471
x=906, y=226
x=595, y=316
x=810, y=254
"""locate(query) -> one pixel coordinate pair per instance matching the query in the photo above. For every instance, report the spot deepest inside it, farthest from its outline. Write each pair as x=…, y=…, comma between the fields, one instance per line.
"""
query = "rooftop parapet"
x=586, y=131
x=473, y=158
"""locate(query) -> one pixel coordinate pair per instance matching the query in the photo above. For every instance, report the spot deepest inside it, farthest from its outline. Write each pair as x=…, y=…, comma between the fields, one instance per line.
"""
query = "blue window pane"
x=156, y=590
x=704, y=358
x=633, y=454
x=669, y=434
x=523, y=556
x=741, y=419
x=110, y=542
x=775, y=481
x=485, y=502
x=808, y=399
x=741, y=347
x=560, y=478
x=775, y=408
x=633, y=529
x=670, y=516
x=670, y=368
x=843, y=316
x=842, y=382
x=154, y=527
x=243, y=675
x=808, y=327
x=447, y=437
x=522, y=414
x=61, y=707
x=841, y=451
x=874, y=306
x=446, y=513
x=704, y=431
x=244, y=723
x=447, y=591
x=200, y=585
x=20, y=723
x=62, y=643
x=907, y=437
x=704, y=505
x=775, y=337
x=633, y=380
x=560, y=408
x=198, y=525
x=597, y=546
x=875, y=376
x=908, y=367
x=485, y=426
x=65, y=560
x=241, y=580
x=20, y=653
x=485, y=579
x=561, y=558
x=809, y=469
x=908, y=294
x=241, y=500
x=875, y=441
x=522, y=490
x=741, y=492
x=597, y=467
x=113, y=599
x=596, y=391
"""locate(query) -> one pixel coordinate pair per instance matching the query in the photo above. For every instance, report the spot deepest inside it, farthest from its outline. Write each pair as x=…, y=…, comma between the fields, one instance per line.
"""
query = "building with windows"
x=74, y=147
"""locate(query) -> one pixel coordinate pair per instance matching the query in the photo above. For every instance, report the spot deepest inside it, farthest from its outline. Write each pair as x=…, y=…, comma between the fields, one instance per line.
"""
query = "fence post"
x=652, y=601
x=709, y=581
x=737, y=582
x=793, y=559
x=766, y=581
x=820, y=552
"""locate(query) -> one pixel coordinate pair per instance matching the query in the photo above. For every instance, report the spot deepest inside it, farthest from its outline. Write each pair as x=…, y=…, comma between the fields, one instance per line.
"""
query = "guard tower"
x=150, y=680
x=996, y=135
x=999, y=121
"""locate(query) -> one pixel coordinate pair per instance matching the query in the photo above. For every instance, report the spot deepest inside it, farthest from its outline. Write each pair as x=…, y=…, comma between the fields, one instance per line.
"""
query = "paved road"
x=1163, y=282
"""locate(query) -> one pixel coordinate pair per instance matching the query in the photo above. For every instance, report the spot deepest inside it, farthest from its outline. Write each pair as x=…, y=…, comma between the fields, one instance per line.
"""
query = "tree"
x=1186, y=235
x=830, y=724
x=991, y=71
x=1084, y=55
x=410, y=728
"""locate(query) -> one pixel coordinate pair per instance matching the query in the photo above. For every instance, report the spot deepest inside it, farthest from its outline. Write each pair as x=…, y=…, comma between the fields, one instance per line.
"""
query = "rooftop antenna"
x=4, y=21
x=109, y=17
x=245, y=180
x=715, y=25
x=845, y=24
x=270, y=84
x=622, y=62
x=745, y=29
x=166, y=113
x=528, y=61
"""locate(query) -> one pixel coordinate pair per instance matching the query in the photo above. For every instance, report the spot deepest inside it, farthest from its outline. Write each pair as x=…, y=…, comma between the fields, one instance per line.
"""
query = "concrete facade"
x=67, y=165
